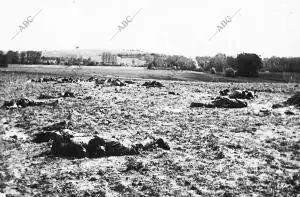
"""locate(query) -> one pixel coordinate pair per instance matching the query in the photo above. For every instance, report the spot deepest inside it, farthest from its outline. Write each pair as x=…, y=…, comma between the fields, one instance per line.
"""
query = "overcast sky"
x=266, y=27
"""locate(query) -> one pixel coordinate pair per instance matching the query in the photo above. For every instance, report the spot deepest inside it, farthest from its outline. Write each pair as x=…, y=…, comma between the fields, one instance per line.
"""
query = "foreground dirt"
x=253, y=151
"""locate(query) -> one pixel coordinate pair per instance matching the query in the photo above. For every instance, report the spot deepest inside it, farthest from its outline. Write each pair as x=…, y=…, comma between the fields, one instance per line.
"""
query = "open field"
x=252, y=151
x=143, y=73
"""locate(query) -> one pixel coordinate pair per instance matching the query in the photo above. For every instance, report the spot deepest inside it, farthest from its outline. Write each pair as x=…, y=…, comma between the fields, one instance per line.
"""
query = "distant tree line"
x=245, y=64
x=3, y=60
x=282, y=64
x=171, y=62
x=274, y=64
x=35, y=57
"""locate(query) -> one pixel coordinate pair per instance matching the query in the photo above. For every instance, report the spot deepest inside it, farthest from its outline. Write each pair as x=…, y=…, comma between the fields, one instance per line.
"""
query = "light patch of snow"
x=168, y=109
x=14, y=133
x=11, y=192
x=2, y=195
x=82, y=185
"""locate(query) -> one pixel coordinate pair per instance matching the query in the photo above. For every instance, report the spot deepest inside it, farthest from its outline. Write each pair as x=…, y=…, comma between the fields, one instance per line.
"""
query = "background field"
x=141, y=72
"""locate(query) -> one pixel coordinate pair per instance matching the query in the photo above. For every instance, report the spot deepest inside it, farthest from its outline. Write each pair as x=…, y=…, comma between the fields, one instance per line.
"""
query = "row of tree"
x=24, y=57
x=282, y=64
x=274, y=64
x=220, y=62
x=35, y=57
x=174, y=62
x=3, y=60
x=245, y=64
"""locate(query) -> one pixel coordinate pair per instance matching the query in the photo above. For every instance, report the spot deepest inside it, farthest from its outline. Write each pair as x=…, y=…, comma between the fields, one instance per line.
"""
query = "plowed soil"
x=252, y=151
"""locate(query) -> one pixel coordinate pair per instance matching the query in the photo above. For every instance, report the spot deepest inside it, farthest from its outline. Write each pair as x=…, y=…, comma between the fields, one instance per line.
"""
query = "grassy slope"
x=140, y=72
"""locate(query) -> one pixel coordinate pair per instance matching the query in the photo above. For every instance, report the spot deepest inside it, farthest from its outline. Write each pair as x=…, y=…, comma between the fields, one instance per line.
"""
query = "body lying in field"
x=98, y=147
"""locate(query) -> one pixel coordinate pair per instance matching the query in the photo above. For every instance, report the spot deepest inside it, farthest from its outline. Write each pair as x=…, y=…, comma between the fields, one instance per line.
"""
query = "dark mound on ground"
x=222, y=102
x=44, y=79
x=67, y=94
x=294, y=100
x=224, y=92
x=117, y=82
x=45, y=96
x=56, y=126
x=44, y=137
x=110, y=81
x=245, y=94
x=173, y=93
x=52, y=79
x=24, y=102
x=79, y=147
x=153, y=84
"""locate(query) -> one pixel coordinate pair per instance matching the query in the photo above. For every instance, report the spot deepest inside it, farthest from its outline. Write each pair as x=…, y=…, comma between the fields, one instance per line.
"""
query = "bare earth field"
x=252, y=151
x=143, y=73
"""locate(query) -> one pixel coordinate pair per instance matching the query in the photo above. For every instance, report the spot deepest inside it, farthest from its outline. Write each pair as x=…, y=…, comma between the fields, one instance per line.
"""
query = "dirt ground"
x=252, y=151
x=144, y=73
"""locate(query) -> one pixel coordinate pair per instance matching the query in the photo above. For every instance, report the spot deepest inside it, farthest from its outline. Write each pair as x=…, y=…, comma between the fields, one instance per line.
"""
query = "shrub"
x=229, y=72
x=91, y=63
x=282, y=64
x=203, y=61
x=171, y=62
x=248, y=65
x=218, y=62
x=213, y=71
x=231, y=62
x=199, y=69
x=3, y=60
x=150, y=66
x=294, y=100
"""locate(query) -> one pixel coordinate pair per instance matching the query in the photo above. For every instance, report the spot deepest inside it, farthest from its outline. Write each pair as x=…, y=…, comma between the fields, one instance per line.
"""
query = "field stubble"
x=252, y=151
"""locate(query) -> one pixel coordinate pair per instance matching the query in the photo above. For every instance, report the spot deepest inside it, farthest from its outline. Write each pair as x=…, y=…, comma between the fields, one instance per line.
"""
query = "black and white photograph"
x=149, y=98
